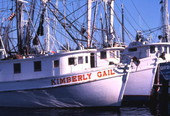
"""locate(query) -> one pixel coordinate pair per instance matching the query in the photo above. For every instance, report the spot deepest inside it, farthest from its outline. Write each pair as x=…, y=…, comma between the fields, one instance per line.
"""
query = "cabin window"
x=132, y=49
x=17, y=68
x=103, y=55
x=56, y=63
x=118, y=54
x=80, y=60
x=160, y=48
x=71, y=61
x=92, y=60
x=165, y=49
x=152, y=49
x=112, y=54
x=37, y=66
x=86, y=58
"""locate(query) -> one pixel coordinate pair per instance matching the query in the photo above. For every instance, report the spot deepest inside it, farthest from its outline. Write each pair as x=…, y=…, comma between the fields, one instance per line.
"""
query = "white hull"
x=142, y=83
x=105, y=91
x=91, y=94
x=141, y=78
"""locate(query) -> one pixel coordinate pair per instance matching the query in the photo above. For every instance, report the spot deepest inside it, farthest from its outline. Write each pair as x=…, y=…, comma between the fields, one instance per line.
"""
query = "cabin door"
x=92, y=60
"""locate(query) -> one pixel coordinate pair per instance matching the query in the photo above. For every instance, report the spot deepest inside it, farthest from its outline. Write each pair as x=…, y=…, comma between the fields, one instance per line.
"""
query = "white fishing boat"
x=146, y=57
x=37, y=75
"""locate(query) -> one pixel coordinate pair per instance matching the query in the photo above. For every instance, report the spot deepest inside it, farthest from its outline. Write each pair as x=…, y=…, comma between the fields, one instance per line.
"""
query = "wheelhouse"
x=147, y=50
x=58, y=64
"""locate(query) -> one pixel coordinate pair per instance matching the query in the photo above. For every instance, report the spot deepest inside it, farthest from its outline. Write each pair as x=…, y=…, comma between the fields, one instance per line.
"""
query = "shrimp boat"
x=146, y=58
x=35, y=73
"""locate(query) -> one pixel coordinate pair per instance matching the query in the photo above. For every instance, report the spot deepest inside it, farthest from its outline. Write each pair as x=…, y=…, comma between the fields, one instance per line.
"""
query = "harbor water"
x=154, y=109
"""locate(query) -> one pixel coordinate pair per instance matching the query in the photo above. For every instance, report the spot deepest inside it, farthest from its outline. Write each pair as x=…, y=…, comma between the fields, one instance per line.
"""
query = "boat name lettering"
x=76, y=78
x=82, y=77
x=105, y=73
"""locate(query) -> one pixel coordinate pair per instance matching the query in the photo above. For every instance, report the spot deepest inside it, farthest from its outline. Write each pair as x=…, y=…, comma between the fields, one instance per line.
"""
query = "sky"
x=142, y=15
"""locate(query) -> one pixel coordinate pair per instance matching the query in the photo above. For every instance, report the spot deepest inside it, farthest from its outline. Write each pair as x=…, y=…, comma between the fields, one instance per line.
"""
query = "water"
x=126, y=110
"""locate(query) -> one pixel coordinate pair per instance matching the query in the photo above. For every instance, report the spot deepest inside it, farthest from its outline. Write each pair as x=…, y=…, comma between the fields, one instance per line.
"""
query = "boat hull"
x=89, y=89
x=104, y=92
x=141, y=80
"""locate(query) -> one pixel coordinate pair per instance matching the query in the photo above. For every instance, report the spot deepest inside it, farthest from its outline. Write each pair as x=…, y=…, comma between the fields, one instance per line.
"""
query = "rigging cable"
x=139, y=14
x=153, y=29
x=132, y=18
x=149, y=29
x=126, y=18
x=126, y=30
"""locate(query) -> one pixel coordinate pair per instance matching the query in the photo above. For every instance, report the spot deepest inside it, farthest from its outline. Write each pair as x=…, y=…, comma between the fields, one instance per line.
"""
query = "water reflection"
x=58, y=112
x=151, y=109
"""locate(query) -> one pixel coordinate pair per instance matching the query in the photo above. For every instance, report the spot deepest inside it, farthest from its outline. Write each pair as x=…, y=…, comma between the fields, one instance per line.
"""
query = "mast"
x=111, y=21
x=48, y=36
x=29, y=30
x=123, y=35
x=165, y=21
x=19, y=16
x=47, y=29
x=89, y=5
